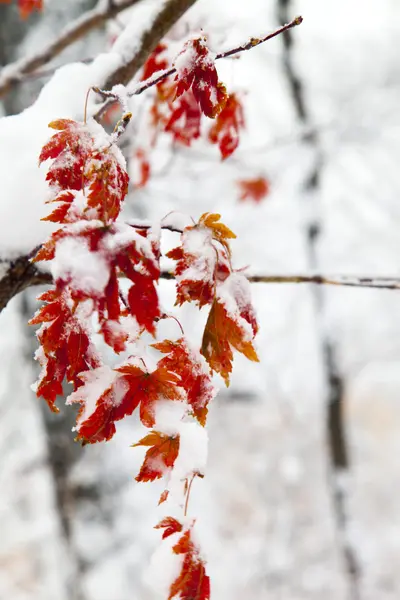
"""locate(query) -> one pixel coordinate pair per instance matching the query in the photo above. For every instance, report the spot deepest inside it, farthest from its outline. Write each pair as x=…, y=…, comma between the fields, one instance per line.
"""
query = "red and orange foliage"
x=93, y=252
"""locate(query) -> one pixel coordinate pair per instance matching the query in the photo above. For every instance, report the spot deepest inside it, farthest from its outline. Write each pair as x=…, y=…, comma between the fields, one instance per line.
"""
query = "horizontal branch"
x=14, y=73
x=22, y=274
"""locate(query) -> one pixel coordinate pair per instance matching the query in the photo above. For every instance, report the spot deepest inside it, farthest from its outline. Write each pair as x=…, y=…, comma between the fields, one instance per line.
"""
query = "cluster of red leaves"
x=88, y=182
x=192, y=582
x=66, y=350
x=78, y=164
x=202, y=271
x=26, y=7
x=178, y=105
x=253, y=189
x=179, y=375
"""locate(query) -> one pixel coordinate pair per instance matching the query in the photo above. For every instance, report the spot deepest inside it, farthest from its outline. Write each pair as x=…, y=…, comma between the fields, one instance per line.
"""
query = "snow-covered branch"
x=14, y=73
x=22, y=274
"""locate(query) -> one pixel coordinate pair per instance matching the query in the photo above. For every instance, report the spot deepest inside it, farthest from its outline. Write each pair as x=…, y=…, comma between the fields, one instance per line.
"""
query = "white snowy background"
x=84, y=531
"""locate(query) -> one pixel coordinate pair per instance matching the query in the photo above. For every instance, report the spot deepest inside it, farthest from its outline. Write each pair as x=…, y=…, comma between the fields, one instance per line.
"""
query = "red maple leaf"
x=133, y=256
x=196, y=69
x=192, y=583
x=65, y=346
x=200, y=262
x=195, y=379
x=69, y=149
x=160, y=456
x=147, y=388
x=225, y=130
x=230, y=324
x=253, y=189
x=128, y=387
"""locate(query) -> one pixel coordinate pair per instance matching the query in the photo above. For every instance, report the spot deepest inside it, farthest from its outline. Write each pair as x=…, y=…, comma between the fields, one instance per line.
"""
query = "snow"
x=85, y=270
x=95, y=383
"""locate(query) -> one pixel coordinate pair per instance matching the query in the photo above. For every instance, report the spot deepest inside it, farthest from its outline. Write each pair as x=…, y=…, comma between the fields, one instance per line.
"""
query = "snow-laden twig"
x=142, y=86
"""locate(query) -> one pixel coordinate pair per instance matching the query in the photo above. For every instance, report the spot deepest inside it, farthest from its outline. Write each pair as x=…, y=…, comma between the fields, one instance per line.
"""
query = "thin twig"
x=160, y=76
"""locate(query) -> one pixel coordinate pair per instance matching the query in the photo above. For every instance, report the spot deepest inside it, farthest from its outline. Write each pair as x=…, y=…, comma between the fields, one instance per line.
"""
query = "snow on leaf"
x=201, y=263
x=160, y=456
x=196, y=70
x=147, y=388
x=69, y=149
x=65, y=346
x=253, y=189
x=195, y=377
x=84, y=157
x=193, y=583
x=225, y=131
x=230, y=324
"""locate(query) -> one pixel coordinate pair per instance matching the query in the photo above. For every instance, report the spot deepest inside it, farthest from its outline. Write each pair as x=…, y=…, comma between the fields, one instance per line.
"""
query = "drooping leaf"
x=231, y=324
x=226, y=129
x=196, y=70
x=161, y=455
x=192, y=583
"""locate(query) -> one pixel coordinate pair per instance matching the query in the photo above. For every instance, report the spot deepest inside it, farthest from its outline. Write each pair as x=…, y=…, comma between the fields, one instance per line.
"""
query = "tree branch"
x=14, y=73
x=160, y=76
x=165, y=19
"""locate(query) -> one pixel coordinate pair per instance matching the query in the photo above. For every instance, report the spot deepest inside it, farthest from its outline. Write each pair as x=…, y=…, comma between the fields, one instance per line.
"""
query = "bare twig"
x=14, y=73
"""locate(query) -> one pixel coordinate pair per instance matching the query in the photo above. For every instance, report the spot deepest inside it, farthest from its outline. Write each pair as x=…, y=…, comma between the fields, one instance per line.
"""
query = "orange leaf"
x=227, y=328
x=162, y=454
x=253, y=189
x=147, y=388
